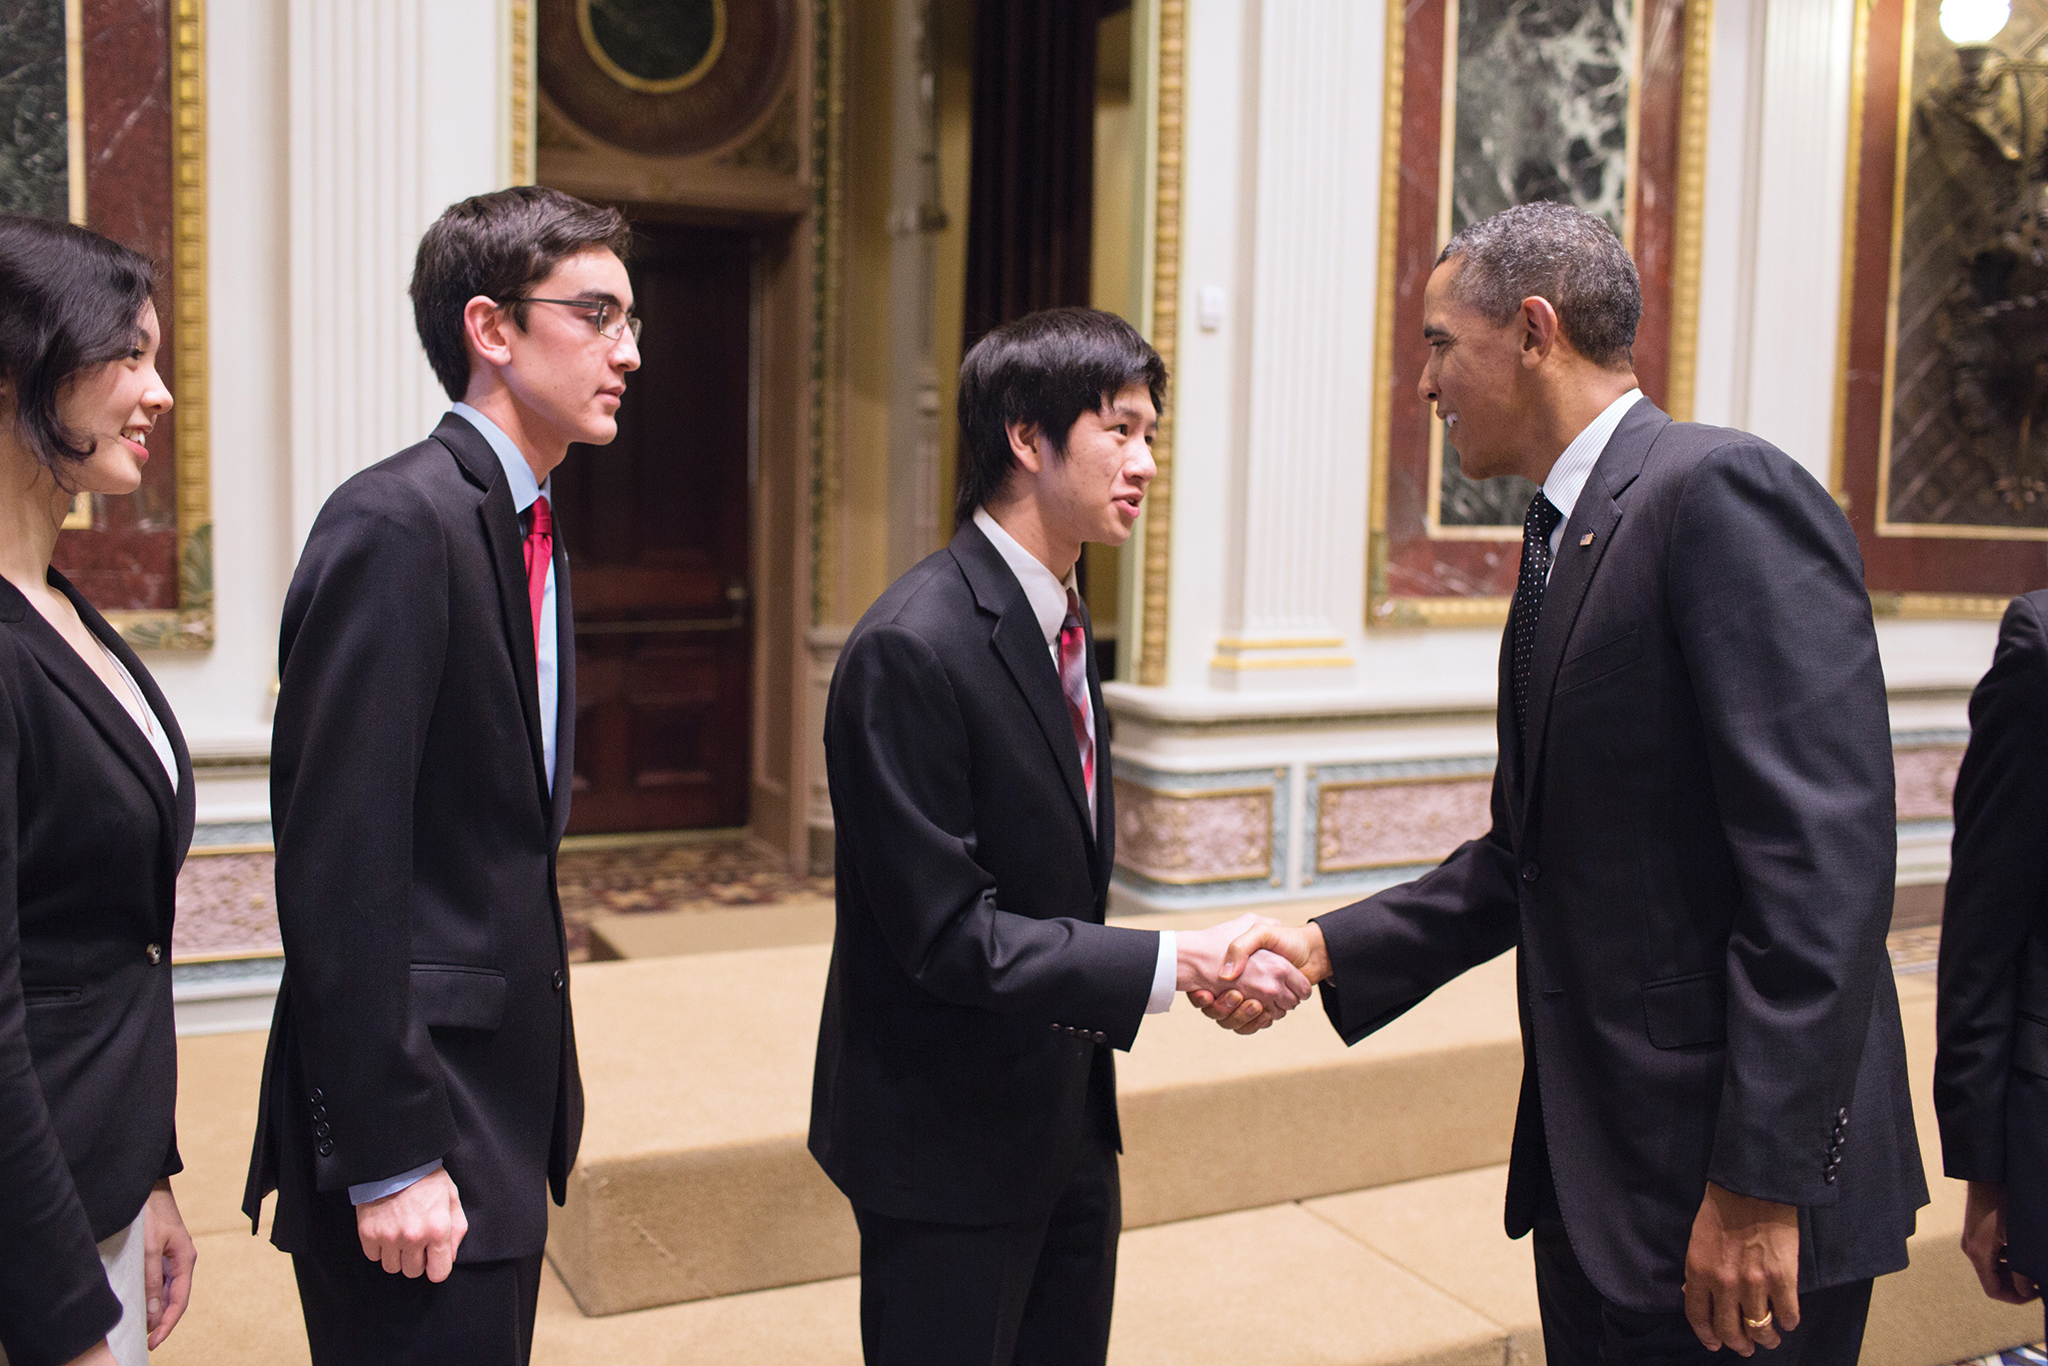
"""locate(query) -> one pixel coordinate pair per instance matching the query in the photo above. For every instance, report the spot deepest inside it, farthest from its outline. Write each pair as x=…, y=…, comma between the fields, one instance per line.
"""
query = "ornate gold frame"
x=523, y=110
x=1885, y=603
x=190, y=626
x=1170, y=73
x=1382, y=609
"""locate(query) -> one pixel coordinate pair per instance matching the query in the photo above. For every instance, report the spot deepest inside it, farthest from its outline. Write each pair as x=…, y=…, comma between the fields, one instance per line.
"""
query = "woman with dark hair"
x=95, y=816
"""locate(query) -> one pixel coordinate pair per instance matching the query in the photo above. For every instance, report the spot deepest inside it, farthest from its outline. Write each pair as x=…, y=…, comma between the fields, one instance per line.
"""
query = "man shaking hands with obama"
x=965, y=1095
x=1692, y=846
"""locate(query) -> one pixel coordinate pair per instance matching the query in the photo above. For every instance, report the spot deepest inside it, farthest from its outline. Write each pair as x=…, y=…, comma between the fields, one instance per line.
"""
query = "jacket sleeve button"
x=1100, y=1037
x=556, y=980
x=326, y=1148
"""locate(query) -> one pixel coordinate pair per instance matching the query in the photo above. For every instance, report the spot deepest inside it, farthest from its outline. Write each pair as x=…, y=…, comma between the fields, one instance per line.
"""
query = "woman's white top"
x=137, y=706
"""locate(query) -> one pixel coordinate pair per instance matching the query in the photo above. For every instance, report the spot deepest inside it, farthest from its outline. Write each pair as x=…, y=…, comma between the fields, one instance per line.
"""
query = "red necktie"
x=540, y=553
x=1074, y=683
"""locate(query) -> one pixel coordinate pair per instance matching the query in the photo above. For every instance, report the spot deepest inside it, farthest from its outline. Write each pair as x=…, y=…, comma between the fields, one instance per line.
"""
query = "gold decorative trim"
x=74, y=123
x=1689, y=233
x=1938, y=606
x=1460, y=612
x=1169, y=76
x=1845, y=310
x=1305, y=643
x=1379, y=610
x=669, y=86
x=1317, y=662
x=828, y=121
x=523, y=112
x=190, y=627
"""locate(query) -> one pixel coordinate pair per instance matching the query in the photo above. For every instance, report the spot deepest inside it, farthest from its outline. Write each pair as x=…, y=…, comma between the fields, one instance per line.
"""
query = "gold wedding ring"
x=1764, y=1322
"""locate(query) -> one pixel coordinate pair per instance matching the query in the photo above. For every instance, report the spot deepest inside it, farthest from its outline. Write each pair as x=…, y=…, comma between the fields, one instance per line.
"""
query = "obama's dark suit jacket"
x=1692, y=850
x=425, y=1007
x=975, y=993
x=1991, y=1069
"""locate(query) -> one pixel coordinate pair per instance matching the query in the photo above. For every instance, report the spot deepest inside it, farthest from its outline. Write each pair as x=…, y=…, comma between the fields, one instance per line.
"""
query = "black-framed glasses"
x=611, y=320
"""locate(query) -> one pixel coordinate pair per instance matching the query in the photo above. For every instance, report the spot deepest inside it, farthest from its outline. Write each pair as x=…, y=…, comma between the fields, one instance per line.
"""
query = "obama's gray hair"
x=1561, y=254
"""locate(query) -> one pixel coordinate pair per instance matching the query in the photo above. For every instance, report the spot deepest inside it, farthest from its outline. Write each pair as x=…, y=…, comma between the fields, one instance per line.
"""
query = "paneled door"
x=656, y=525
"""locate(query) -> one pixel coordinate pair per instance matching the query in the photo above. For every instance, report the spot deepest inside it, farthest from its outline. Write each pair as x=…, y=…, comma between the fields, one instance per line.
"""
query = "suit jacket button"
x=326, y=1148
x=1530, y=872
x=556, y=980
x=318, y=1095
x=154, y=953
x=320, y=1130
x=1056, y=1028
x=1099, y=1037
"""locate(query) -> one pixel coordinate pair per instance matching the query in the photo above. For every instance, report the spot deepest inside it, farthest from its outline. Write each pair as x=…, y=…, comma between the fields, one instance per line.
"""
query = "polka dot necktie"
x=1536, y=528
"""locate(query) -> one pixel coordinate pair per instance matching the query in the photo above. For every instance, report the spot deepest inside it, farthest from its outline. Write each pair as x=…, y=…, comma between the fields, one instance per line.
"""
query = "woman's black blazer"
x=91, y=838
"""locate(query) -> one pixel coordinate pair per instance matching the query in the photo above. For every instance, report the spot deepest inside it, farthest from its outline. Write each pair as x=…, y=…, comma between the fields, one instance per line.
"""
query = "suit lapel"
x=501, y=534
x=1595, y=516
x=1105, y=808
x=85, y=688
x=565, y=693
x=1020, y=644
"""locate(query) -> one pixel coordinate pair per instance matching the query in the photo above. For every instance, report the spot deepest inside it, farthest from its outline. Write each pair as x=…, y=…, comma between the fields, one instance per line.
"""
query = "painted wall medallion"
x=665, y=77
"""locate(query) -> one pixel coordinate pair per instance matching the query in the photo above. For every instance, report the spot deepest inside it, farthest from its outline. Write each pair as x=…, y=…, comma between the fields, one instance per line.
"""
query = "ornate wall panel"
x=1942, y=460
x=1491, y=103
x=113, y=133
x=1223, y=832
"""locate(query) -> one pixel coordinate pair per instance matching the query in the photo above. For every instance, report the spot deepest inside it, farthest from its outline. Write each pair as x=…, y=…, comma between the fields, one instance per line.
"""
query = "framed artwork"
x=1941, y=456
x=1491, y=103
x=109, y=130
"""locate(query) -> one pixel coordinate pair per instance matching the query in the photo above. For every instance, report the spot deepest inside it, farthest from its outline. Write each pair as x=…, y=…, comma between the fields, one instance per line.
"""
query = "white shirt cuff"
x=376, y=1190
x=1164, y=972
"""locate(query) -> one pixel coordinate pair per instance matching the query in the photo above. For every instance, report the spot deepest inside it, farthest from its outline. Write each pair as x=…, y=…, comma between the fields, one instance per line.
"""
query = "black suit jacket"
x=425, y=1009
x=1991, y=1069
x=974, y=993
x=91, y=839
x=1693, y=850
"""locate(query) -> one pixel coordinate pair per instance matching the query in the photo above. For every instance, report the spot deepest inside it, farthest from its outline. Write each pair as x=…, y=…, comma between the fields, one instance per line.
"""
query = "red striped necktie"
x=540, y=553
x=1074, y=682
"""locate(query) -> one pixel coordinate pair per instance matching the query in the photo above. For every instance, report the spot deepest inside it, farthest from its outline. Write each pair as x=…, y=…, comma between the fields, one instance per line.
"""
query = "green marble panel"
x=35, y=174
x=1542, y=112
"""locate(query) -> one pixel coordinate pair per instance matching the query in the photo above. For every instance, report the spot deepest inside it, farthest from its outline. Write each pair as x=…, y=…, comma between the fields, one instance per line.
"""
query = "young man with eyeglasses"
x=421, y=1090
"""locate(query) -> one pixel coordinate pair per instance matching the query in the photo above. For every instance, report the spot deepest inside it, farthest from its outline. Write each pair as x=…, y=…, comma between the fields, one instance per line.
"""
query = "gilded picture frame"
x=138, y=174
x=1422, y=570
x=1916, y=566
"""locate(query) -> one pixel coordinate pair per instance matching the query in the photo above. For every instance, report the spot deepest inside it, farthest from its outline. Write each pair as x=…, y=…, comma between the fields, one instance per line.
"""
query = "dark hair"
x=70, y=301
x=1565, y=255
x=1046, y=368
x=497, y=245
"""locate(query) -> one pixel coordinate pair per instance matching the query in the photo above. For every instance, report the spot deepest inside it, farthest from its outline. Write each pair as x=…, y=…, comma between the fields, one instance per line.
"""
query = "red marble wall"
x=129, y=559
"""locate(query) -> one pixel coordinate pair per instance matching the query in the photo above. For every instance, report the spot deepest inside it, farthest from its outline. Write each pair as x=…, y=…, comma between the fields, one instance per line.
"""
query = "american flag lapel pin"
x=1586, y=540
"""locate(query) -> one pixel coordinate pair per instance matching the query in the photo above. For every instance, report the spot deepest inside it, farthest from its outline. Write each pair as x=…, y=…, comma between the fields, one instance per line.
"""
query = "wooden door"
x=656, y=525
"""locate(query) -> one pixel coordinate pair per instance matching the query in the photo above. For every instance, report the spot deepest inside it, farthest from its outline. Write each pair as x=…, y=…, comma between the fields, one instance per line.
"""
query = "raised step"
x=694, y=1180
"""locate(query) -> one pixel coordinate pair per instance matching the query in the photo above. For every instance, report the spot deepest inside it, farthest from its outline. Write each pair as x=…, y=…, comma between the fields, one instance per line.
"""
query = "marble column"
x=397, y=109
x=1294, y=607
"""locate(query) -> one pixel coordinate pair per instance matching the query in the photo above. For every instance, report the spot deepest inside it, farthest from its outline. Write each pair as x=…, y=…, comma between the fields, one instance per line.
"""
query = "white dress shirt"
x=519, y=476
x=1567, y=479
x=1048, y=598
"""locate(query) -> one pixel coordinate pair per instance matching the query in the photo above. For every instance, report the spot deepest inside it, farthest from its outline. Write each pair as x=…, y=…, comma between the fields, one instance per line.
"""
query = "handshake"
x=1248, y=972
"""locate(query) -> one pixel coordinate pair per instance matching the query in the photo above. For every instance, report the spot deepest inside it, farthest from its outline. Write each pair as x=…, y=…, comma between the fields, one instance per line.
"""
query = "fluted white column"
x=1295, y=605
x=1801, y=167
x=398, y=108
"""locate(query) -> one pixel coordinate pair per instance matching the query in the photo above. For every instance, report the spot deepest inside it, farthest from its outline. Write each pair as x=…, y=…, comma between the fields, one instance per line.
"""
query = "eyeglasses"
x=611, y=320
